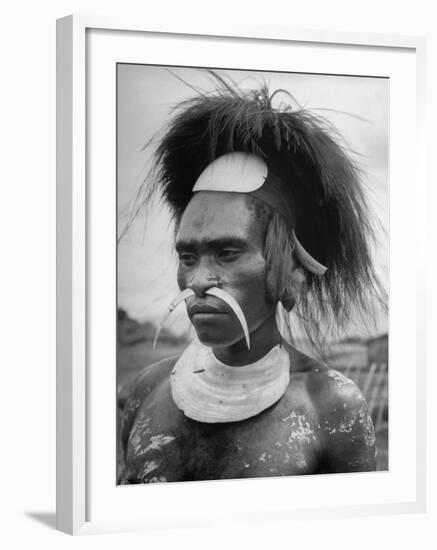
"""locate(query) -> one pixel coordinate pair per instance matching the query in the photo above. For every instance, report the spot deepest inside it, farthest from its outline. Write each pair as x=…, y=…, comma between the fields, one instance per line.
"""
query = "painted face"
x=219, y=238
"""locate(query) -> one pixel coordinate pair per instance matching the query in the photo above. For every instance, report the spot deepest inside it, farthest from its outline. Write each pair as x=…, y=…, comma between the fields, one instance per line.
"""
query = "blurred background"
x=146, y=267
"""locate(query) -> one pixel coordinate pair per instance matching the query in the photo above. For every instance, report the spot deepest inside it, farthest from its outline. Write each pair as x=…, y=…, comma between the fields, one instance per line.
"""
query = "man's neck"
x=262, y=340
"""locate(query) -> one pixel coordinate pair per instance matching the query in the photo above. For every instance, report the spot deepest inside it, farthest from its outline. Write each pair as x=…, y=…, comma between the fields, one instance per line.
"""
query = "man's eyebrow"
x=210, y=243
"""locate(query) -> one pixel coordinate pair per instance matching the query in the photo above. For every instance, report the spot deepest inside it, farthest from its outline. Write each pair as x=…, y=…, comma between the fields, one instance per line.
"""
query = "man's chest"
x=164, y=445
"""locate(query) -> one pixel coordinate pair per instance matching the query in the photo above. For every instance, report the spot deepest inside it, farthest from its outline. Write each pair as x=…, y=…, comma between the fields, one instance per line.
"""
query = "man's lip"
x=204, y=309
x=208, y=314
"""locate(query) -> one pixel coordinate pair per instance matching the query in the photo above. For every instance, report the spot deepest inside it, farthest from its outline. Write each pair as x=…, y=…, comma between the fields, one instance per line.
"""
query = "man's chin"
x=214, y=341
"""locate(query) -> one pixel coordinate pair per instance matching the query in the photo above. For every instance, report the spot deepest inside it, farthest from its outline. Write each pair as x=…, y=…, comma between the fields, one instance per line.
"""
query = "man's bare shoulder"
x=346, y=429
x=150, y=376
x=328, y=388
x=140, y=388
x=344, y=423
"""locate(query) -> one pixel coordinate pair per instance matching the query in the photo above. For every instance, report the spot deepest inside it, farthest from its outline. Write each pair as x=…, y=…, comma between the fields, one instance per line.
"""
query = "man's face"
x=220, y=238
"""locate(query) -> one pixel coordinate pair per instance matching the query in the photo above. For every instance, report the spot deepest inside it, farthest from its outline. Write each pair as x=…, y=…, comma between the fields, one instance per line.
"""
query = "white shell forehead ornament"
x=248, y=173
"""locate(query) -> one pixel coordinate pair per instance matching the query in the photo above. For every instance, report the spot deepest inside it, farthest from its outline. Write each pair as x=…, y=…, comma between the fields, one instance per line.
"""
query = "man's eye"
x=187, y=259
x=229, y=255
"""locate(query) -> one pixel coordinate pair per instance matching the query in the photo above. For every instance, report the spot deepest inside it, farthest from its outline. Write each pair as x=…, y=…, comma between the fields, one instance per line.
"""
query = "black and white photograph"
x=252, y=274
x=218, y=275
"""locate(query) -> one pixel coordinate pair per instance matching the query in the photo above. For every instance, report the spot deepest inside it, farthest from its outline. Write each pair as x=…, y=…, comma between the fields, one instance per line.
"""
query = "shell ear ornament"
x=307, y=260
x=179, y=298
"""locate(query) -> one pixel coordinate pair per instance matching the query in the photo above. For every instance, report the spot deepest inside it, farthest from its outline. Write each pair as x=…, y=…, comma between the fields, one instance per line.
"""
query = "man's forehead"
x=217, y=216
x=210, y=208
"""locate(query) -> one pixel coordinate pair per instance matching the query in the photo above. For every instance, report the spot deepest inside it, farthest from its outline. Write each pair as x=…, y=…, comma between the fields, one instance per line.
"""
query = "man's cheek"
x=181, y=278
x=250, y=292
x=254, y=281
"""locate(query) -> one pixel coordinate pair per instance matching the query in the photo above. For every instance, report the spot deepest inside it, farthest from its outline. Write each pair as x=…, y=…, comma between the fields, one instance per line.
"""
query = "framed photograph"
x=240, y=322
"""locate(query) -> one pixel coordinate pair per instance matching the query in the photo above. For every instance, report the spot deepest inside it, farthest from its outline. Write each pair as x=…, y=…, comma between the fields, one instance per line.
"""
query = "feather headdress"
x=305, y=151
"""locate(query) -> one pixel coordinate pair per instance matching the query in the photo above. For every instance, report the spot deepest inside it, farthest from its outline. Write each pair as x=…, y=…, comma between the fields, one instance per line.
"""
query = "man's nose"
x=203, y=279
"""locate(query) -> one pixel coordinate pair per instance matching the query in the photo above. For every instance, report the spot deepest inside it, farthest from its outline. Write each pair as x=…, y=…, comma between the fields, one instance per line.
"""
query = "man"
x=270, y=218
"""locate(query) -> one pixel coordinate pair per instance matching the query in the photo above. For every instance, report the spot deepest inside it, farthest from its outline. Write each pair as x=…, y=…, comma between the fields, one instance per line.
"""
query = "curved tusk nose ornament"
x=233, y=304
x=179, y=298
x=214, y=291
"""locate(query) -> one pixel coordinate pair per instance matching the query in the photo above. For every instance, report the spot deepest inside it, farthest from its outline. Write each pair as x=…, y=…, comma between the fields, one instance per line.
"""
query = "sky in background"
x=357, y=106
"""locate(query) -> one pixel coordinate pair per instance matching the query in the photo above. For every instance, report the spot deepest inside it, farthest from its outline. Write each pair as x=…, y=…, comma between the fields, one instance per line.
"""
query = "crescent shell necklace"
x=207, y=390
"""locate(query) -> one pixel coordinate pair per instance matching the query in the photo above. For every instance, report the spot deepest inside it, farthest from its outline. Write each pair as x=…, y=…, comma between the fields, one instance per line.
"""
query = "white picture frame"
x=78, y=492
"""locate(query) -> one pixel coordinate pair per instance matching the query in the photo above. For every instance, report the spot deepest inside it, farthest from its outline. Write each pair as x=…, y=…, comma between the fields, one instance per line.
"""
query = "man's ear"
x=285, y=277
x=293, y=288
